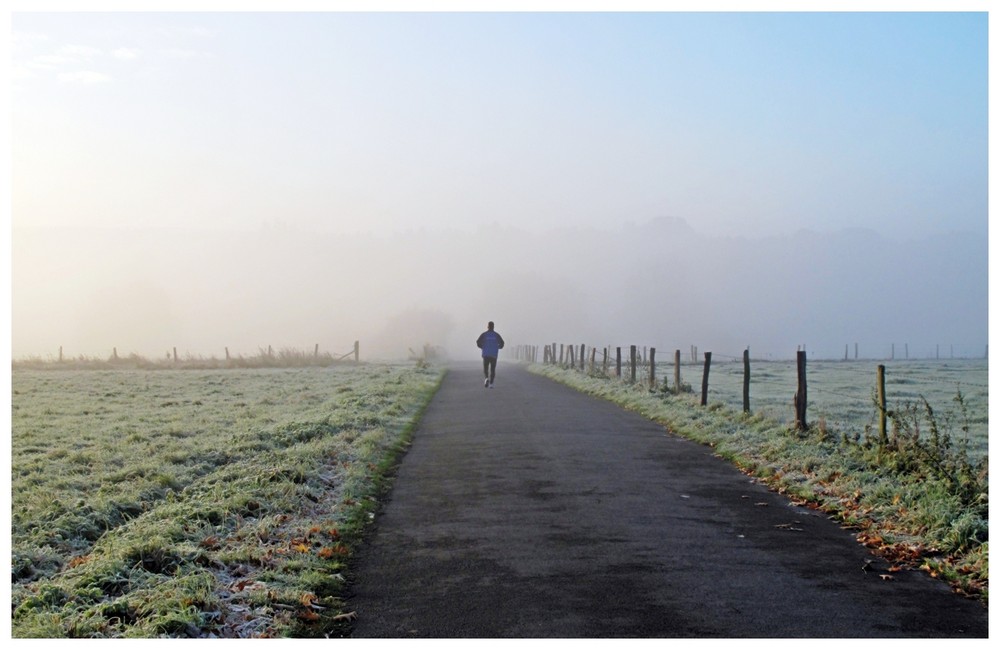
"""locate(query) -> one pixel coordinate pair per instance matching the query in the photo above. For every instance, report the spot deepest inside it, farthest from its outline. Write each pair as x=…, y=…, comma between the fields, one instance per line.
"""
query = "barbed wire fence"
x=840, y=394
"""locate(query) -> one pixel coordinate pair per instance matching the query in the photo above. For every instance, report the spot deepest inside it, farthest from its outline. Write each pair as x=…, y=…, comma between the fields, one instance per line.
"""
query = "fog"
x=658, y=282
x=243, y=180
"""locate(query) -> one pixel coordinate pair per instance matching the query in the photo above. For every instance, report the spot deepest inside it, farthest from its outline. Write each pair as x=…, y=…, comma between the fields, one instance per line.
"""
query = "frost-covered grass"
x=841, y=392
x=198, y=502
x=914, y=503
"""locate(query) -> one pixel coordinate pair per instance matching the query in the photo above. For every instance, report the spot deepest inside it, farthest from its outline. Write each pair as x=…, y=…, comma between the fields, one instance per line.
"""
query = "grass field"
x=197, y=503
x=841, y=392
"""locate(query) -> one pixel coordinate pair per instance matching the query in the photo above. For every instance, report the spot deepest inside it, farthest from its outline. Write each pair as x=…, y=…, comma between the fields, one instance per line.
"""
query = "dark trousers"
x=490, y=368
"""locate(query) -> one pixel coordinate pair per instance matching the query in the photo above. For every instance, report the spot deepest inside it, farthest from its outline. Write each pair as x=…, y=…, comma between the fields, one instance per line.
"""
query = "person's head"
x=489, y=325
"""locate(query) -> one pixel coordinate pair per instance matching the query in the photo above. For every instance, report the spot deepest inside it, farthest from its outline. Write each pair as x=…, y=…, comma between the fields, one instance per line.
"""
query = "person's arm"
x=500, y=340
x=479, y=341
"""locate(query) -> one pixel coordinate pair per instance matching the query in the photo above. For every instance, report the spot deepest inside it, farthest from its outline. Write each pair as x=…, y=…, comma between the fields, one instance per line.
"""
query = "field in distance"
x=841, y=393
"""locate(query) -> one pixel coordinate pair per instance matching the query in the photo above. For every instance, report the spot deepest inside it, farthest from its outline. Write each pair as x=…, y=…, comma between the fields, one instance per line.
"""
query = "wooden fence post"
x=677, y=372
x=60, y=354
x=883, y=436
x=593, y=354
x=632, y=351
x=583, y=356
x=562, y=350
x=652, y=368
x=604, y=366
x=316, y=351
x=800, y=394
x=175, y=355
x=227, y=353
x=746, y=380
x=704, y=379
x=618, y=361
x=357, y=351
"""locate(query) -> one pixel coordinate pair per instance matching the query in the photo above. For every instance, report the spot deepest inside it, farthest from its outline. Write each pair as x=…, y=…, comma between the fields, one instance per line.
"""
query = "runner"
x=490, y=342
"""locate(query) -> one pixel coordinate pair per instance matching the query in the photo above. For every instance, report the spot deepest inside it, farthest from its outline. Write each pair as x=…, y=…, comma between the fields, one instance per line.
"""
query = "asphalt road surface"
x=532, y=510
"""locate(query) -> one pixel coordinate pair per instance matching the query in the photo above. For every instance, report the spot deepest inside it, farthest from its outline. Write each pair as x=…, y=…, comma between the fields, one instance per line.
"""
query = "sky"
x=188, y=178
x=741, y=123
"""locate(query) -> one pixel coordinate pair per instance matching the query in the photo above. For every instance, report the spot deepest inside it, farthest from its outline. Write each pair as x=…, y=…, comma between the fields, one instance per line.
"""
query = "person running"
x=490, y=342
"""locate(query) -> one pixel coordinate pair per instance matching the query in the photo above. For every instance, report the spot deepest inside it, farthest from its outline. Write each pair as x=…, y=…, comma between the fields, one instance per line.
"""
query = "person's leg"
x=493, y=369
x=486, y=371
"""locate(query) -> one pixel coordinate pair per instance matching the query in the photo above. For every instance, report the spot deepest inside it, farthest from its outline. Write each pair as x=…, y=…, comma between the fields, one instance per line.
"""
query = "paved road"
x=531, y=510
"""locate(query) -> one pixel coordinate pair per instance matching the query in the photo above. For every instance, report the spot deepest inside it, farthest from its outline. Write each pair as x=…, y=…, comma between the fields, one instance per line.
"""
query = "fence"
x=266, y=357
x=848, y=395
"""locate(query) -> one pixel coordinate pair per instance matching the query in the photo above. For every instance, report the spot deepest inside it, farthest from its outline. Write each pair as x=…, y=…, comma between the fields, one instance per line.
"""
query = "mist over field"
x=659, y=282
x=204, y=180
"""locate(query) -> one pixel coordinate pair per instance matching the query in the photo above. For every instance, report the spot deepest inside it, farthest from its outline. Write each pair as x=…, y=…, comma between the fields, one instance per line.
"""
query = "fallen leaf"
x=248, y=585
x=336, y=549
x=77, y=561
x=347, y=616
x=885, y=576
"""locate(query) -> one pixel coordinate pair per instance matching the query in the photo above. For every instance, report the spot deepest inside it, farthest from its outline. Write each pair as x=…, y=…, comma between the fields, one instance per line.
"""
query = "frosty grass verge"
x=202, y=503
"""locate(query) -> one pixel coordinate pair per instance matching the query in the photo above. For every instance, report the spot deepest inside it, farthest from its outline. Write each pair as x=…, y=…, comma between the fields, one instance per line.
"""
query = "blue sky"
x=742, y=124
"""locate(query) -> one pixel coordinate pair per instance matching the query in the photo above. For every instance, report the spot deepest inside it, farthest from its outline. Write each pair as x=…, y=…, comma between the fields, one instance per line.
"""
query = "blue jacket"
x=490, y=342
